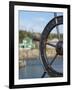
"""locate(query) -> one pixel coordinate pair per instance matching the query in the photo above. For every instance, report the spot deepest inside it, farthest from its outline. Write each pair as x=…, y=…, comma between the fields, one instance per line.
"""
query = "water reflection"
x=34, y=69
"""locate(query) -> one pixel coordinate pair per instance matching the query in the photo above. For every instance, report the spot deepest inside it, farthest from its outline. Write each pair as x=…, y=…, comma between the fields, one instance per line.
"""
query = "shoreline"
x=34, y=53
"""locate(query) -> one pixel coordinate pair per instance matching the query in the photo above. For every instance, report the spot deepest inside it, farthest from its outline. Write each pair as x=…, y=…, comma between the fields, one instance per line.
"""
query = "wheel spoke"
x=51, y=44
x=49, y=41
x=53, y=59
x=43, y=75
x=58, y=33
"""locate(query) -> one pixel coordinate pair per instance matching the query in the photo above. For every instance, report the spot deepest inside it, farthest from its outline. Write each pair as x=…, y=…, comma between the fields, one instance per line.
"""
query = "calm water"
x=34, y=68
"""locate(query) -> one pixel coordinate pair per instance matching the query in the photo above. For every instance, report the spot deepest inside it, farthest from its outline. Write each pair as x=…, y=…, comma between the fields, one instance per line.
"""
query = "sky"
x=35, y=21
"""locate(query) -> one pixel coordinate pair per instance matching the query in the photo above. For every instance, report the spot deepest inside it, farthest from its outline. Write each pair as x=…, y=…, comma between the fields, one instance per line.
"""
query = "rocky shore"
x=33, y=53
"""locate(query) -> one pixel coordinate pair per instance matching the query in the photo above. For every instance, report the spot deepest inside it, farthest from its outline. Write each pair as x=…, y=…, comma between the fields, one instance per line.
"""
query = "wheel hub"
x=59, y=48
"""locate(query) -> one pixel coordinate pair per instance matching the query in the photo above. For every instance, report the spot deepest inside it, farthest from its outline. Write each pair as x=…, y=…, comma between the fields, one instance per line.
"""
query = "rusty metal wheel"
x=58, y=46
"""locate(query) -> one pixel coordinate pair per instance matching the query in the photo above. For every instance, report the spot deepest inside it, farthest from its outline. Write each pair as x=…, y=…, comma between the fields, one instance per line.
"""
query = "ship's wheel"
x=58, y=47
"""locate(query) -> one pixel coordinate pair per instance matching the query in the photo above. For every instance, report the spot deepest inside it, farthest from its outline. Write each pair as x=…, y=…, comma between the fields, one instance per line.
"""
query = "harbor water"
x=34, y=68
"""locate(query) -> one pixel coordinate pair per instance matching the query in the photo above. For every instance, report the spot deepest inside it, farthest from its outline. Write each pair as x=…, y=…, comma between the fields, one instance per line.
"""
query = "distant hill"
x=24, y=33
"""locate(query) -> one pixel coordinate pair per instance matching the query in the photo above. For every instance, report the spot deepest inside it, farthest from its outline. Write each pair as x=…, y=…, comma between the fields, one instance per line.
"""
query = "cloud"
x=39, y=19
